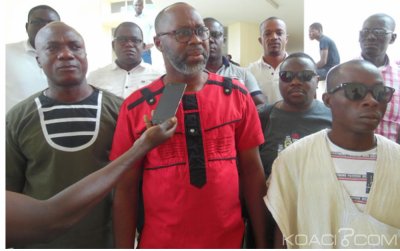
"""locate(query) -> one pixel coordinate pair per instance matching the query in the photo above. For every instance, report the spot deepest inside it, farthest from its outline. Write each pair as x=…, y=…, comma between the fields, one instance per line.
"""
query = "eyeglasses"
x=40, y=22
x=358, y=91
x=376, y=32
x=124, y=40
x=216, y=34
x=184, y=35
x=303, y=76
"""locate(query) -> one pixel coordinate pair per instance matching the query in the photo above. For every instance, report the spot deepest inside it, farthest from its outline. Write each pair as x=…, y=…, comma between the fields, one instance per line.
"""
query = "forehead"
x=214, y=26
x=58, y=34
x=274, y=24
x=43, y=14
x=298, y=63
x=376, y=22
x=128, y=30
x=359, y=74
x=181, y=16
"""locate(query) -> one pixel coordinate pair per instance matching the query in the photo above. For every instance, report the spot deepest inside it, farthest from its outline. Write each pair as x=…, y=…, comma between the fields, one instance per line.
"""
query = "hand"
x=155, y=135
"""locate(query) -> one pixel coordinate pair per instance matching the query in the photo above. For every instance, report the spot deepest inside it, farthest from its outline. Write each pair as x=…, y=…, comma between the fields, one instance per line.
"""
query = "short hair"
x=269, y=19
x=389, y=19
x=299, y=55
x=43, y=7
x=211, y=19
x=316, y=26
x=127, y=24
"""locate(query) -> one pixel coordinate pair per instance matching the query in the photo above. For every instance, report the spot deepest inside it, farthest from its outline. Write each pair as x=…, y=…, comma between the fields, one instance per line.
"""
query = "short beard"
x=184, y=68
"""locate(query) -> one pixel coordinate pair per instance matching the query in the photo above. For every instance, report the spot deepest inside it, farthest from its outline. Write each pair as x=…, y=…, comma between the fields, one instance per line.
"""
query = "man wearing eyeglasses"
x=221, y=65
x=128, y=73
x=339, y=187
x=191, y=182
x=375, y=37
x=23, y=75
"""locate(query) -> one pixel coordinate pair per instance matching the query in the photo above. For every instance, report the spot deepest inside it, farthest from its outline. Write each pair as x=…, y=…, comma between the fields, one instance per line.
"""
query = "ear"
x=158, y=43
x=326, y=97
x=37, y=60
x=259, y=40
x=26, y=26
x=393, y=38
x=113, y=45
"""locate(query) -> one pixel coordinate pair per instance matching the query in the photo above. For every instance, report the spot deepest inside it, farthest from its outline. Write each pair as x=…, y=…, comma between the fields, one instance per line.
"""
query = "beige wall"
x=243, y=43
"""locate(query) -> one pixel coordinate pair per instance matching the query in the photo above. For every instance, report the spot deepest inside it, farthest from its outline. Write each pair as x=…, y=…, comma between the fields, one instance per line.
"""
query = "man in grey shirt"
x=298, y=114
x=219, y=64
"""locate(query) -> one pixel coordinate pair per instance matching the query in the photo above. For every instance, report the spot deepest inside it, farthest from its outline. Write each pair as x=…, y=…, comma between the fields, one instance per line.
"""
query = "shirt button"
x=192, y=130
x=126, y=87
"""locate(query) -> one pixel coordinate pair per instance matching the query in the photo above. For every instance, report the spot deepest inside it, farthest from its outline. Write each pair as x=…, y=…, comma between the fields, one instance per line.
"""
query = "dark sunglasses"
x=358, y=91
x=303, y=76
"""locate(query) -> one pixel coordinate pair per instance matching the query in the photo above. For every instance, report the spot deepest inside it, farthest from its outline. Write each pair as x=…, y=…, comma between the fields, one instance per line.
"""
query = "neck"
x=352, y=141
x=128, y=66
x=71, y=94
x=293, y=108
x=195, y=82
x=274, y=60
x=213, y=65
x=378, y=61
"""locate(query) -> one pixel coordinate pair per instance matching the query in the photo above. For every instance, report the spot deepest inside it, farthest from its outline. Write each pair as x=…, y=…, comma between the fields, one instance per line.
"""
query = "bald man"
x=191, y=182
x=339, y=188
x=61, y=134
x=376, y=35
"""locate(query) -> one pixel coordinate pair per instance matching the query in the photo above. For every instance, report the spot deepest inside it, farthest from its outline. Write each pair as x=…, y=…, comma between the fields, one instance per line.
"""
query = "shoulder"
x=23, y=109
x=145, y=95
x=102, y=70
x=306, y=145
x=228, y=85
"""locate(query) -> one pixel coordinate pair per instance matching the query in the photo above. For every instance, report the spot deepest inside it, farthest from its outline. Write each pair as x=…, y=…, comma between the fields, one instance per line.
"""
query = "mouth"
x=130, y=52
x=297, y=92
x=371, y=116
x=67, y=67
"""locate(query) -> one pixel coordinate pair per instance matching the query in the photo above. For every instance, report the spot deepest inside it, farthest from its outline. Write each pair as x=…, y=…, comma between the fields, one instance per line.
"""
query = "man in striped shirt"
x=376, y=35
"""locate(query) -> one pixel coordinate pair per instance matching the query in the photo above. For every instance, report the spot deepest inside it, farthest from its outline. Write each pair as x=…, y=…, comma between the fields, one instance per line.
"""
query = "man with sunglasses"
x=221, y=65
x=339, y=187
x=23, y=75
x=191, y=182
x=128, y=73
x=297, y=115
x=375, y=37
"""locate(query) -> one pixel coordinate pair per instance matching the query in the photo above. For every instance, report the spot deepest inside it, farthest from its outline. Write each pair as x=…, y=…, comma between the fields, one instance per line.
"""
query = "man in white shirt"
x=24, y=77
x=273, y=38
x=340, y=188
x=128, y=73
x=146, y=23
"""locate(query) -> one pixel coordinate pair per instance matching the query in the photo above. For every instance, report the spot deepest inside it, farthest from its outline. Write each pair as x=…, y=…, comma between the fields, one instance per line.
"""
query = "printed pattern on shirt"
x=355, y=170
x=70, y=128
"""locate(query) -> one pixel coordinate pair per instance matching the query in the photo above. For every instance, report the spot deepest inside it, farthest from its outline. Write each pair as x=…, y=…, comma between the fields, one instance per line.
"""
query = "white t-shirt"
x=24, y=77
x=355, y=170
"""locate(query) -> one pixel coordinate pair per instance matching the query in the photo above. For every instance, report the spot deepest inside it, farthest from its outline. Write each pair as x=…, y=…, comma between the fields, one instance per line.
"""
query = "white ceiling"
x=252, y=11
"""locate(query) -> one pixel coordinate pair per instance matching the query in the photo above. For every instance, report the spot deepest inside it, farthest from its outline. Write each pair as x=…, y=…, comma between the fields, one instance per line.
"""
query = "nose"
x=369, y=100
x=195, y=39
x=65, y=53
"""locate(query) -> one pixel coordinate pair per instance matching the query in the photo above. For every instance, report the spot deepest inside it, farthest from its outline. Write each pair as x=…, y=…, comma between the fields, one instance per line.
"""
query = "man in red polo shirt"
x=191, y=182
